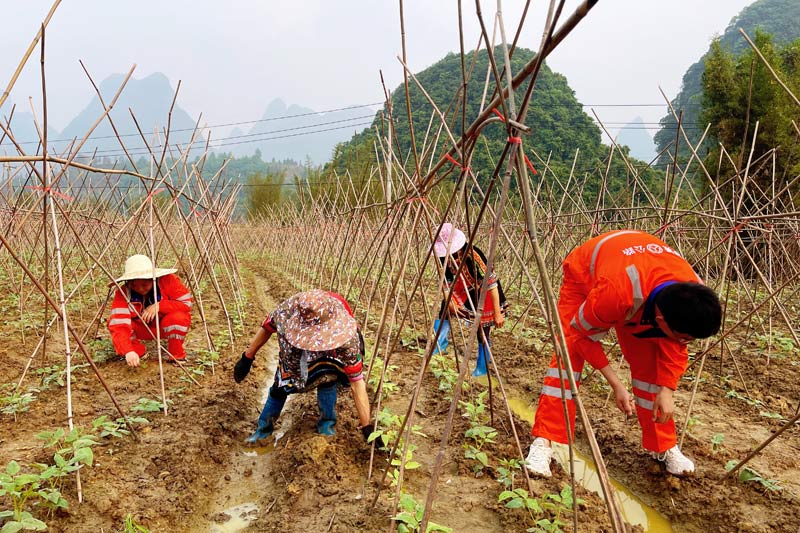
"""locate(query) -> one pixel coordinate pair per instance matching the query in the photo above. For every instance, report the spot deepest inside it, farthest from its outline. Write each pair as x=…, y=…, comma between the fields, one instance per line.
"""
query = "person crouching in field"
x=632, y=282
x=320, y=346
x=450, y=248
x=138, y=301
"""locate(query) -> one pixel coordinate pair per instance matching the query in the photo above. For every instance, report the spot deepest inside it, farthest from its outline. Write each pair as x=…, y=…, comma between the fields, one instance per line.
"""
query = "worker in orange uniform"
x=632, y=282
x=136, y=304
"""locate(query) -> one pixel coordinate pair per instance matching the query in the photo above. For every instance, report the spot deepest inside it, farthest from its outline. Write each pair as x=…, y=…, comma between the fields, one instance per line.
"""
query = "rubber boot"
x=483, y=360
x=444, y=335
x=266, y=422
x=326, y=399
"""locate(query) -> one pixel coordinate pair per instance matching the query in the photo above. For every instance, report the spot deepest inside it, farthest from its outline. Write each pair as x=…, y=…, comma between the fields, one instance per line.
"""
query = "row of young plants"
x=34, y=492
x=540, y=514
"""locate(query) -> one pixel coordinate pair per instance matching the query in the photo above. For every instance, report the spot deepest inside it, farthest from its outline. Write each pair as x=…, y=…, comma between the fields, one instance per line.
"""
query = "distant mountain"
x=297, y=133
x=635, y=136
x=24, y=131
x=780, y=18
x=150, y=99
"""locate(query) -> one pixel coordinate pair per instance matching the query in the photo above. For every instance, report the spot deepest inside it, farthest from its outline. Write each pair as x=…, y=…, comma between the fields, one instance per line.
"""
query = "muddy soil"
x=189, y=469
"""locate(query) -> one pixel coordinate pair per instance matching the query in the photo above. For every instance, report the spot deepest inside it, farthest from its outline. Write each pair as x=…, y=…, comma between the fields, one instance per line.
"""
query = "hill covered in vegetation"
x=779, y=18
x=559, y=126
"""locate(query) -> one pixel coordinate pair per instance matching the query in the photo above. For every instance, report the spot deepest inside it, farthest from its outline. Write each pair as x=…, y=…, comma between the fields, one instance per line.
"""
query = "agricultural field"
x=89, y=443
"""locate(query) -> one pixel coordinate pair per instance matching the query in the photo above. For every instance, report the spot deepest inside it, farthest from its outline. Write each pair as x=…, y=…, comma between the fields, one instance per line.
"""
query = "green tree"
x=739, y=92
x=264, y=192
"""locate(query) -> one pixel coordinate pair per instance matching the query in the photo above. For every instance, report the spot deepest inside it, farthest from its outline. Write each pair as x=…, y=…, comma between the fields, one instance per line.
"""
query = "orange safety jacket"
x=173, y=297
x=617, y=271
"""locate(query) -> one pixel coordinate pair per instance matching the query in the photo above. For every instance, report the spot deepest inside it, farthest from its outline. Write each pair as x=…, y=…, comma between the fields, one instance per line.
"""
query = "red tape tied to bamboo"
x=150, y=195
x=456, y=163
x=734, y=229
x=50, y=190
x=499, y=114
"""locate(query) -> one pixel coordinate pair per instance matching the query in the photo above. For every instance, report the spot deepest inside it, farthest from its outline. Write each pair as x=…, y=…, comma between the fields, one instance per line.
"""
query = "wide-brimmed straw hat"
x=316, y=321
x=140, y=267
x=449, y=234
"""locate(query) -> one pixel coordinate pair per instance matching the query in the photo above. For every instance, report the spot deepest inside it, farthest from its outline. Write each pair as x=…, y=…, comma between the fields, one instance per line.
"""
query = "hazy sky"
x=235, y=57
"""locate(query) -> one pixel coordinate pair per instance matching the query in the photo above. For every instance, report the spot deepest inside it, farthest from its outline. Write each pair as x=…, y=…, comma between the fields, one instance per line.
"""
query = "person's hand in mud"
x=622, y=397
x=624, y=400
x=663, y=406
x=132, y=358
x=149, y=314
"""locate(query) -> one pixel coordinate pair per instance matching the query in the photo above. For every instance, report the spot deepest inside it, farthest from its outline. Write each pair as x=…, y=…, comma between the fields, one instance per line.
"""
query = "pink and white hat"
x=450, y=239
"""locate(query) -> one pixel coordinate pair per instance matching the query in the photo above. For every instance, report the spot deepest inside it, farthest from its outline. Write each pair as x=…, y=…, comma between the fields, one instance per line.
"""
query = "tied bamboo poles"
x=58, y=238
x=692, y=216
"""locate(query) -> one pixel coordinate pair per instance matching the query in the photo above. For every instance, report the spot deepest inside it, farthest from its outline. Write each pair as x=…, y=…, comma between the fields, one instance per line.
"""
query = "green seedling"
x=716, y=442
x=480, y=436
x=130, y=525
x=410, y=517
x=507, y=471
x=749, y=475
x=475, y=411
x=146, y=405
x=17, y=402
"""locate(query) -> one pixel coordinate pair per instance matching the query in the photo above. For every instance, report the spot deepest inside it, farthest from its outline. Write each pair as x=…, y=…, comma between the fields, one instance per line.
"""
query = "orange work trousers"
x=641, y=355
x=174, y=327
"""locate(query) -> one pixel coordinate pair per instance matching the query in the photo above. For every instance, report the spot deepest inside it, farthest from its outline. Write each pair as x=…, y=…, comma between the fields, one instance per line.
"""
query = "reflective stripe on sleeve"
x=556, y=392
x=645, y=386
x=644, y=404
x=120, y=311
x=119, y=322
x=636, y=283
x=599, y=335
x=554, y=373
x=176, y=327
x=584, y=323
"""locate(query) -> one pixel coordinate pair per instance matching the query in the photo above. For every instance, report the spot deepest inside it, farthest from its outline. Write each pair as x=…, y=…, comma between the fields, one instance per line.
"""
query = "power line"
x=136, y=134
x=359, y=106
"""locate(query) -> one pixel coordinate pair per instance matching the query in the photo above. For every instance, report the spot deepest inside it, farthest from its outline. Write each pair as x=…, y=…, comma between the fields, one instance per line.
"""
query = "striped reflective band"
x=644, y=404
x=636, y=283
x=599, y=335
x=176, y=327
x=554, y=373
x=601, y=243
x=556, y=392
x=186, y=299
x=120, y=311
x=119, y=321
x=582, y=318
x=645, y=386
x=175, y=336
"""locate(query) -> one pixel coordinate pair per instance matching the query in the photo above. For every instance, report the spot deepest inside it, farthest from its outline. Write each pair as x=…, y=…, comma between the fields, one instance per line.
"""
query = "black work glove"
x=242, y=368
x=367, y=431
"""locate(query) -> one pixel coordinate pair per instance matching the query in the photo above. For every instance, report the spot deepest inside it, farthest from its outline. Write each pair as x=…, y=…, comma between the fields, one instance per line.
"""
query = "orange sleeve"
x=175, y=297
x=119, y=324
x=605, y=306
x=673, y=358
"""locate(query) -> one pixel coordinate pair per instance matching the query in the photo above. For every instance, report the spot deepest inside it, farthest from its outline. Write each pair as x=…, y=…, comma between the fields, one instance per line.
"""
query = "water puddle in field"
x=234, y=509
x=240, y=517
x=634, y=510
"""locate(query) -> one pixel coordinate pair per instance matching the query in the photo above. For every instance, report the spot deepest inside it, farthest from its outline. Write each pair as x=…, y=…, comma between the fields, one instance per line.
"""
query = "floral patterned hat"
x=316, y=321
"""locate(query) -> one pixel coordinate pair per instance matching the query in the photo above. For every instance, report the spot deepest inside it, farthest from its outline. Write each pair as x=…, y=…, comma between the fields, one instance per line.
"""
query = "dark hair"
x=690, y=308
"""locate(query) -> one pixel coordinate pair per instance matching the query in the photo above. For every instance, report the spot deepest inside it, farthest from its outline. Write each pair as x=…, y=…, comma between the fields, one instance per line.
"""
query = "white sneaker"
x=677, y=463
x=539, y=456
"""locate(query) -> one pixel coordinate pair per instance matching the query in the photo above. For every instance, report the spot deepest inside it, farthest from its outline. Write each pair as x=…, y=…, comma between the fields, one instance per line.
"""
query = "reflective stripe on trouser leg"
x=550, y=422
x=655, y=437
x=174, y=327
